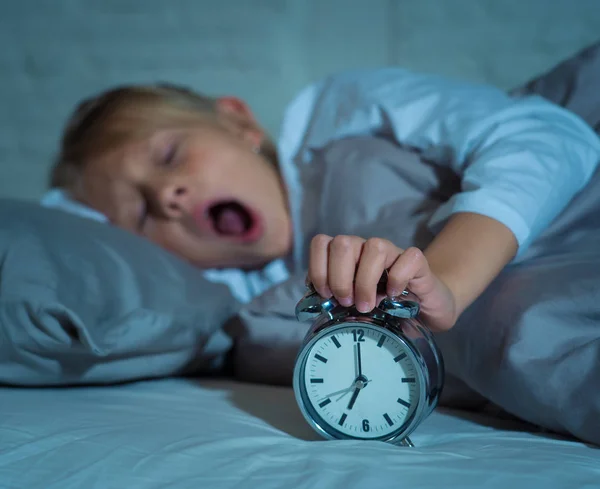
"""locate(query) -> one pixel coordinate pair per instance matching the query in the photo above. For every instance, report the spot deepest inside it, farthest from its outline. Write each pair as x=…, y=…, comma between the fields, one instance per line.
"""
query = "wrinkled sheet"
x=190, y=434
x=530, y=344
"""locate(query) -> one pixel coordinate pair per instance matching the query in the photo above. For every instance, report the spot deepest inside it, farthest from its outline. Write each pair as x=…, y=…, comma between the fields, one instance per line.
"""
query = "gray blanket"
x=530, y=344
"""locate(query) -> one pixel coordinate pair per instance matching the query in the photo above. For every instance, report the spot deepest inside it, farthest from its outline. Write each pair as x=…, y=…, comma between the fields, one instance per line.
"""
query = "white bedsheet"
x=185, y=433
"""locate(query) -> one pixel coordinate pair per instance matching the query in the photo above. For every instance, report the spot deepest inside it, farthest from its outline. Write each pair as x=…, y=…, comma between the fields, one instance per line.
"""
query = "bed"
x=190, y=433
x=112, y=376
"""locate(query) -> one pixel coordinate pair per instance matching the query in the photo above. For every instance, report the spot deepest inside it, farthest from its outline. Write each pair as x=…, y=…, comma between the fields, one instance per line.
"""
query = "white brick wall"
x=55, y=52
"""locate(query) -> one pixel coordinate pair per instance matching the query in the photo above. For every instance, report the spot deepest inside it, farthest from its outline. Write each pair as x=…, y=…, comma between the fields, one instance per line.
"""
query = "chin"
x=264, y=257
x=260, y=255
x=246, y=264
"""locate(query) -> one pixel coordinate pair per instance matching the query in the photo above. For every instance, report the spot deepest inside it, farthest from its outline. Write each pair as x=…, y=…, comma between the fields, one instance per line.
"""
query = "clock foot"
x=406, y=442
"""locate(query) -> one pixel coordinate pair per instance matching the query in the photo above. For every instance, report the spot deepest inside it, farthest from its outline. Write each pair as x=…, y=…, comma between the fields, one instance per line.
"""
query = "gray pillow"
x=574, y=84
x=83, y=302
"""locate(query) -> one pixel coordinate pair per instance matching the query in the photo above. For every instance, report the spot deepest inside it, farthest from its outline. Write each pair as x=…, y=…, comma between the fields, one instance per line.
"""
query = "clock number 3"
x=358, y=335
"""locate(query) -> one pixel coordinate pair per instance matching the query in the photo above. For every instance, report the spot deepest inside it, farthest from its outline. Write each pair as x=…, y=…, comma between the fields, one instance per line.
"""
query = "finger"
x=377, y=254
x=344, y=252
x=411, y=265
x=319, y=264
x=382, y=285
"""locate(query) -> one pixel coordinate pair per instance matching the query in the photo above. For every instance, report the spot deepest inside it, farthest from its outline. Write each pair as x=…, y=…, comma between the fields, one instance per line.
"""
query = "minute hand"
x=359, y=360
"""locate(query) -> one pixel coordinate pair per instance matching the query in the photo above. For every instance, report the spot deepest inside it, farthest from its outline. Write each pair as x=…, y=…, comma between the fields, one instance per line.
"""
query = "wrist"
x=468, y=254
x=454, y=295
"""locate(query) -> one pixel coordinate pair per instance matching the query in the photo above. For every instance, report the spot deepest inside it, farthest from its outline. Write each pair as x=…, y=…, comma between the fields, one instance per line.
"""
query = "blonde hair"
x=121, y=114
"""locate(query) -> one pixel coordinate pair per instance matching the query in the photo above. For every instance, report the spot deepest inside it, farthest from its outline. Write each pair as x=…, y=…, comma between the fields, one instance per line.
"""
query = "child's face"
x=199, y=191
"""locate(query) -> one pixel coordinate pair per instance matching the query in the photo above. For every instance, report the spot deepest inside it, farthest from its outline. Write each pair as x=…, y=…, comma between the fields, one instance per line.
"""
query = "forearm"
x=469, y=252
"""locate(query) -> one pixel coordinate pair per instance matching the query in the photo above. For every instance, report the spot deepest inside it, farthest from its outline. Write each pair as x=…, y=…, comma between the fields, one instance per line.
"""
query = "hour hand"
x=353, y=398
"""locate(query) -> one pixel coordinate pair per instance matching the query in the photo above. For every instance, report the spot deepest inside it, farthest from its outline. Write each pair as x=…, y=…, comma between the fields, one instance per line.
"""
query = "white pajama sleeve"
x=531, y=161
x=521, y=161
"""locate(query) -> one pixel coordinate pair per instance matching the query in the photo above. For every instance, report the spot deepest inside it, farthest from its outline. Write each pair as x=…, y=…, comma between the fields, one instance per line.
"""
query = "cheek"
x=168, y=235
x=173, y=237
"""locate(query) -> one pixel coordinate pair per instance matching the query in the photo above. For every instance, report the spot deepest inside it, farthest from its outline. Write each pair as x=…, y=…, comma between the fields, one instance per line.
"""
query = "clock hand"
x=359, y=385
x=353, y=398
x=356, y=362
x=356, y=385
x=341, y=391
x=359, y=382
x=345, y=391
x=344, y=394
x=359, y=360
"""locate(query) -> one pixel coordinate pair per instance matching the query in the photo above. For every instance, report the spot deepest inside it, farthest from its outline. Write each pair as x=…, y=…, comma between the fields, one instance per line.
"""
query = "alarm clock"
x=366, y=376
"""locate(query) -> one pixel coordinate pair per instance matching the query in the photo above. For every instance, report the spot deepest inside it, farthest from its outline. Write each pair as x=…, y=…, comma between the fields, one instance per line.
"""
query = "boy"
x=200, y=177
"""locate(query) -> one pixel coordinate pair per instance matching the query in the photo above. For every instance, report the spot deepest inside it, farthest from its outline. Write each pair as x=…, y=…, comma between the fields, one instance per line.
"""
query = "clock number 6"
x=365, y=425
x=358, y=335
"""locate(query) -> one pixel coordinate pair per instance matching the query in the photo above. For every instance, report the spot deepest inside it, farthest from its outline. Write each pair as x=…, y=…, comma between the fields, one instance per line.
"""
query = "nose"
x=173, y=199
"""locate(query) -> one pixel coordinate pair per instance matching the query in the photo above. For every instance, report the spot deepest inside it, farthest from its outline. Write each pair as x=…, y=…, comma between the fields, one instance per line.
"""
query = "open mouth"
x=233, y=220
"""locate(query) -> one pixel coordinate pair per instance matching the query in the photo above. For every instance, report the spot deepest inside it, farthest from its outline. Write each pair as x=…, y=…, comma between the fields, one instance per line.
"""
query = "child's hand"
x=349, y=269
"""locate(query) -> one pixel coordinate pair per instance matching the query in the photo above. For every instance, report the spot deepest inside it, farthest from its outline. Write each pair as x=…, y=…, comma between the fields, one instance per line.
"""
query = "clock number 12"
x=358, y=335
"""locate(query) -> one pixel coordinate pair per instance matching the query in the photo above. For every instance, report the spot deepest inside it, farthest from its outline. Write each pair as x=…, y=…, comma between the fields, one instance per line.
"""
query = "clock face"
x=361, y=381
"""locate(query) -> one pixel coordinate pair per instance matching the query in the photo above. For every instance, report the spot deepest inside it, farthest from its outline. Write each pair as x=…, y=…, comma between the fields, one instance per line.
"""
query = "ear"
x=238, y=115
x=234, y=106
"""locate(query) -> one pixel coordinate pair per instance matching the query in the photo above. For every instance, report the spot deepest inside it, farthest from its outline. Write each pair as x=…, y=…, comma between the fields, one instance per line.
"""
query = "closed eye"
x=170, y=154
x=142, y=214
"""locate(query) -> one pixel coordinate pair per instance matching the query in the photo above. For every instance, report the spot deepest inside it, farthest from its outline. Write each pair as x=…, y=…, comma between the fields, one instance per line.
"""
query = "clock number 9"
x=365, y=425
x=358, y=335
